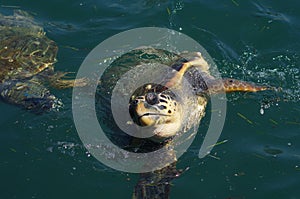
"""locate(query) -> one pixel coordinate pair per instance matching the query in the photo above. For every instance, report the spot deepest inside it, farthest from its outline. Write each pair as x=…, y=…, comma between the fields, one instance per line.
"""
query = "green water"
x=41, y=156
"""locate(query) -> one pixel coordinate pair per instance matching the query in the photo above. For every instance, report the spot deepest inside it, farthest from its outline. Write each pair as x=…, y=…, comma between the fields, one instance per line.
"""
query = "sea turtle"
x=27, y=58
x=158, y=106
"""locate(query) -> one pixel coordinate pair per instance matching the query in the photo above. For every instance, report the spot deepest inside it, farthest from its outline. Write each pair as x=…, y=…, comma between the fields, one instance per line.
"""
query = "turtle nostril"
x=134, y=102
x=151, y=98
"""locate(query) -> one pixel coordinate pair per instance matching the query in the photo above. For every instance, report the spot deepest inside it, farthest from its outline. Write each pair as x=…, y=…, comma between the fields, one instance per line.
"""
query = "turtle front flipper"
x=68, y=83
x=59, y=80
x=234, y=85
x=231, y=85
x=203, y=81
x=29, y=94
x=182, y=65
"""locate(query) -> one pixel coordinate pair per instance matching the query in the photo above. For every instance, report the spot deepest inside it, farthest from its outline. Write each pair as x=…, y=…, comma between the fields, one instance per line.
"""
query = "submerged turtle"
x=158, y=106
x=27, y=58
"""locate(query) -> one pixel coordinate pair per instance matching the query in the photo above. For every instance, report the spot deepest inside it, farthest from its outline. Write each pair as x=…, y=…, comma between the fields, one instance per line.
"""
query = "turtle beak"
x=143, y=113
x=144, y=118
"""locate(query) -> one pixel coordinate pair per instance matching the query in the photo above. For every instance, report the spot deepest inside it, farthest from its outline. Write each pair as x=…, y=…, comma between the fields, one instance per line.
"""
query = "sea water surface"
x=258, y=155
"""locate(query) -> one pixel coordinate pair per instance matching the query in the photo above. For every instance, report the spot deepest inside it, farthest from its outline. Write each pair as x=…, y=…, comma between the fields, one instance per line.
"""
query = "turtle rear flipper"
x=29, y=94
x=156, y=184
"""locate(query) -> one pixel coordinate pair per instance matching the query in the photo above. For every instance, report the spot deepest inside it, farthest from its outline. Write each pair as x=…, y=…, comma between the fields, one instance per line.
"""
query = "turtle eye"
x=151, y=98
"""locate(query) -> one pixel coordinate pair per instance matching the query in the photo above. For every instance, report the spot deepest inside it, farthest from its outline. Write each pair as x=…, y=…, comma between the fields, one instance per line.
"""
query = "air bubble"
x=261, y=111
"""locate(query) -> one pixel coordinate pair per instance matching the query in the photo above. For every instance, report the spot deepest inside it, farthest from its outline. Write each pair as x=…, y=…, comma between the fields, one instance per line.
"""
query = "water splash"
x=277, y=69
x=175, y=8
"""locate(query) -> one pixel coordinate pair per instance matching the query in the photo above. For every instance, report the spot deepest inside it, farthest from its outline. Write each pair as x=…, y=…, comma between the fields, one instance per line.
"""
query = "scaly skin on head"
x=157, y=109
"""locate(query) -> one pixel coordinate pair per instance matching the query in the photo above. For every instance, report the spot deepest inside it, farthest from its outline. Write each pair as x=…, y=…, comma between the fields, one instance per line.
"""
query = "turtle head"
x=157, y=107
